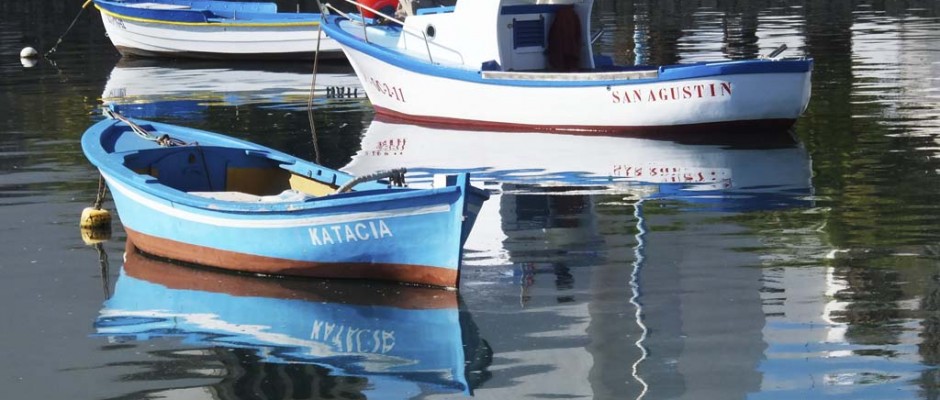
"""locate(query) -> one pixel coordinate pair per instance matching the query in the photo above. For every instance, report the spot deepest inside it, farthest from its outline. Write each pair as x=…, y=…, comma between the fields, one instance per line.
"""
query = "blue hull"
x=231, y=204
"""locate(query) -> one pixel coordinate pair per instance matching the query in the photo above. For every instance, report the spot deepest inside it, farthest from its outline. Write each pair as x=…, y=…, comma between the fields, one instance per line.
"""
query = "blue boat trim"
x=209, y=12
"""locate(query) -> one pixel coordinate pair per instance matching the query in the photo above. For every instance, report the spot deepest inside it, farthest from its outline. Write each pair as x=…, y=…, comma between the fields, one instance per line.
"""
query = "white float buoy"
x=29, y=52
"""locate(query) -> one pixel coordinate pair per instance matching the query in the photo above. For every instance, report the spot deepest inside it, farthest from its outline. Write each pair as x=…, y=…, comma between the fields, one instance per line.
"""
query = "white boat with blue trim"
x=529, y=65
x=209, y=199
x=213, y=29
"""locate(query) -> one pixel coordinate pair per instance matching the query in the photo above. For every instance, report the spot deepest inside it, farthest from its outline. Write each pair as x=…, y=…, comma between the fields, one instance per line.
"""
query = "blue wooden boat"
x=210, y=199
x=399, y=338
x=213, y=29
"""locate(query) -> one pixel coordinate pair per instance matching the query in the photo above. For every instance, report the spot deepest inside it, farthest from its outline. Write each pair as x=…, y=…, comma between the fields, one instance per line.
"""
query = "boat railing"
x=407, y=29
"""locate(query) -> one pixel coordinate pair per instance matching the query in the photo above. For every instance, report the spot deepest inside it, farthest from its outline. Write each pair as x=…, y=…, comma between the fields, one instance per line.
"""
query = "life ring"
x=386, y=7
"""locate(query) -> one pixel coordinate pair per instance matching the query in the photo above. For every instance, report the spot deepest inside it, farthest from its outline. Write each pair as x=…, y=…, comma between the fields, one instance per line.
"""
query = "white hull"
x=220, y=41
x=427, y=98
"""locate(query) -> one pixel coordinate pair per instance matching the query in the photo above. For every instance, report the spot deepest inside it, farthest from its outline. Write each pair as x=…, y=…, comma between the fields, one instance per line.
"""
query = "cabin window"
x=528, y=33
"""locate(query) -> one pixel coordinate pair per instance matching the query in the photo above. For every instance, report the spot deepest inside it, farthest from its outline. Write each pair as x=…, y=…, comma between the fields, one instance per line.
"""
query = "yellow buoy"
x=96, y=236
x=95, y=218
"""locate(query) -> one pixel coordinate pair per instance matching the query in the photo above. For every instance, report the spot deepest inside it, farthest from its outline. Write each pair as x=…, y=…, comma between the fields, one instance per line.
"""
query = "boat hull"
x=155, y=37
x=396, y=234
x=748, y=95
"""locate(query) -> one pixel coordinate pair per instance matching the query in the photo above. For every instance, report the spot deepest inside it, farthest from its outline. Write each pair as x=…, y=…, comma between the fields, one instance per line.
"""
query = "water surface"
x=769, y=266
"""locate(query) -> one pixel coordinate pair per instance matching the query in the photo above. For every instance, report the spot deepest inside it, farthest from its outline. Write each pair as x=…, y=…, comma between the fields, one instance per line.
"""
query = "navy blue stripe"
x=667, y=73
x=208, y=11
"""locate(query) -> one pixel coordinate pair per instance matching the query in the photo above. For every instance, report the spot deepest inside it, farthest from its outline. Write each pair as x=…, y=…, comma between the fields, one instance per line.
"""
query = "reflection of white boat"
x=737, y=173
x=660, y=168
x=151, y=88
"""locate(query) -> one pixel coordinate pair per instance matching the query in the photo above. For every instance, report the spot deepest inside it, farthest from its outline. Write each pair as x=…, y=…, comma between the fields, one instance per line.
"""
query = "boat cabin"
x=530, y=35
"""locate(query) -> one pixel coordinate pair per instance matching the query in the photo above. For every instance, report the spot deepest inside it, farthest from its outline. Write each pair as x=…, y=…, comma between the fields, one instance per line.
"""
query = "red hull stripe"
x=755, y=126
x=417, y=274
x=185, y=277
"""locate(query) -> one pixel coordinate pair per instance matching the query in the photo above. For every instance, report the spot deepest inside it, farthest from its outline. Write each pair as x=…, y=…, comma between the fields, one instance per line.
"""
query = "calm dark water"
x=804, y=266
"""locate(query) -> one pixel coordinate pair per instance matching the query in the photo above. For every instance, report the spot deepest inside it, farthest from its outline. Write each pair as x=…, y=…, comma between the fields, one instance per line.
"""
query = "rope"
x=102, y=192
x=635, y=298
x=52, y=50
x=313, y=85
x=163, y=140
x=396, y=176
x=105, y=266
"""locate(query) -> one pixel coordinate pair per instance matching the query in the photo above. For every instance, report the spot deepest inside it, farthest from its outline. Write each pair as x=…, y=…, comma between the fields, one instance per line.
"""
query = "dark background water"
x=815, y=274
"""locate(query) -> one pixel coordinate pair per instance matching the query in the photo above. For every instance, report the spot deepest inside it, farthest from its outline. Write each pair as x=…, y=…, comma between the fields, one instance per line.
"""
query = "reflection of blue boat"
x=205, y=198
x=397, y=337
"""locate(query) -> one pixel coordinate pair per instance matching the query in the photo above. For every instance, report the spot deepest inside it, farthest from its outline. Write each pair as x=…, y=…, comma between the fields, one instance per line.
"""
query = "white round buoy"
x=28, y=62
x=29, y=52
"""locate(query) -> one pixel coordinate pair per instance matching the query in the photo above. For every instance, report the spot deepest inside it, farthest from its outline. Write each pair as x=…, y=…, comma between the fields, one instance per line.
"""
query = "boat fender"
x=95, y=218
x=386, y=7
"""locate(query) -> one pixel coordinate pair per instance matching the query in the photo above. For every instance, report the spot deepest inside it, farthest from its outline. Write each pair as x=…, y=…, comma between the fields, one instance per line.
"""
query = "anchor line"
x=163, y=140
x=634, y=299
x=52, y=50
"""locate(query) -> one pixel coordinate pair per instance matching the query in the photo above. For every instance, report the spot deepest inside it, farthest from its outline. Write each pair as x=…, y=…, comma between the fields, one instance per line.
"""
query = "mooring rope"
x=52, y=50
x=102, y=191
x=313, y=85
x=163, y=140
x=396, y=176
x=635, y=298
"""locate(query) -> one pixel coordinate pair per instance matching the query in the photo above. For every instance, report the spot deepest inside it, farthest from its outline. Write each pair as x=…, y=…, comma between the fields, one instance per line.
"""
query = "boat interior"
x=231, y=174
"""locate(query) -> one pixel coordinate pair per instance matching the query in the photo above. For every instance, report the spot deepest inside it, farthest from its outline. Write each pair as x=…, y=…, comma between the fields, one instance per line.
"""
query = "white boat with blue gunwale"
x=209, y=199
x=213, y=29
x=529, y=65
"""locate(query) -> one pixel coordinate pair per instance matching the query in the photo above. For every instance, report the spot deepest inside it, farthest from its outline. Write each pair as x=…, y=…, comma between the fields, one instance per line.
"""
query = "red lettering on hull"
x=672, y=93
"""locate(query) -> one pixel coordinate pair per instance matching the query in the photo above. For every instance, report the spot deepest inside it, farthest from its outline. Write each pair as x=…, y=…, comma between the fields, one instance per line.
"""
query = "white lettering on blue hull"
x=349, y=339
x=345, y=233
